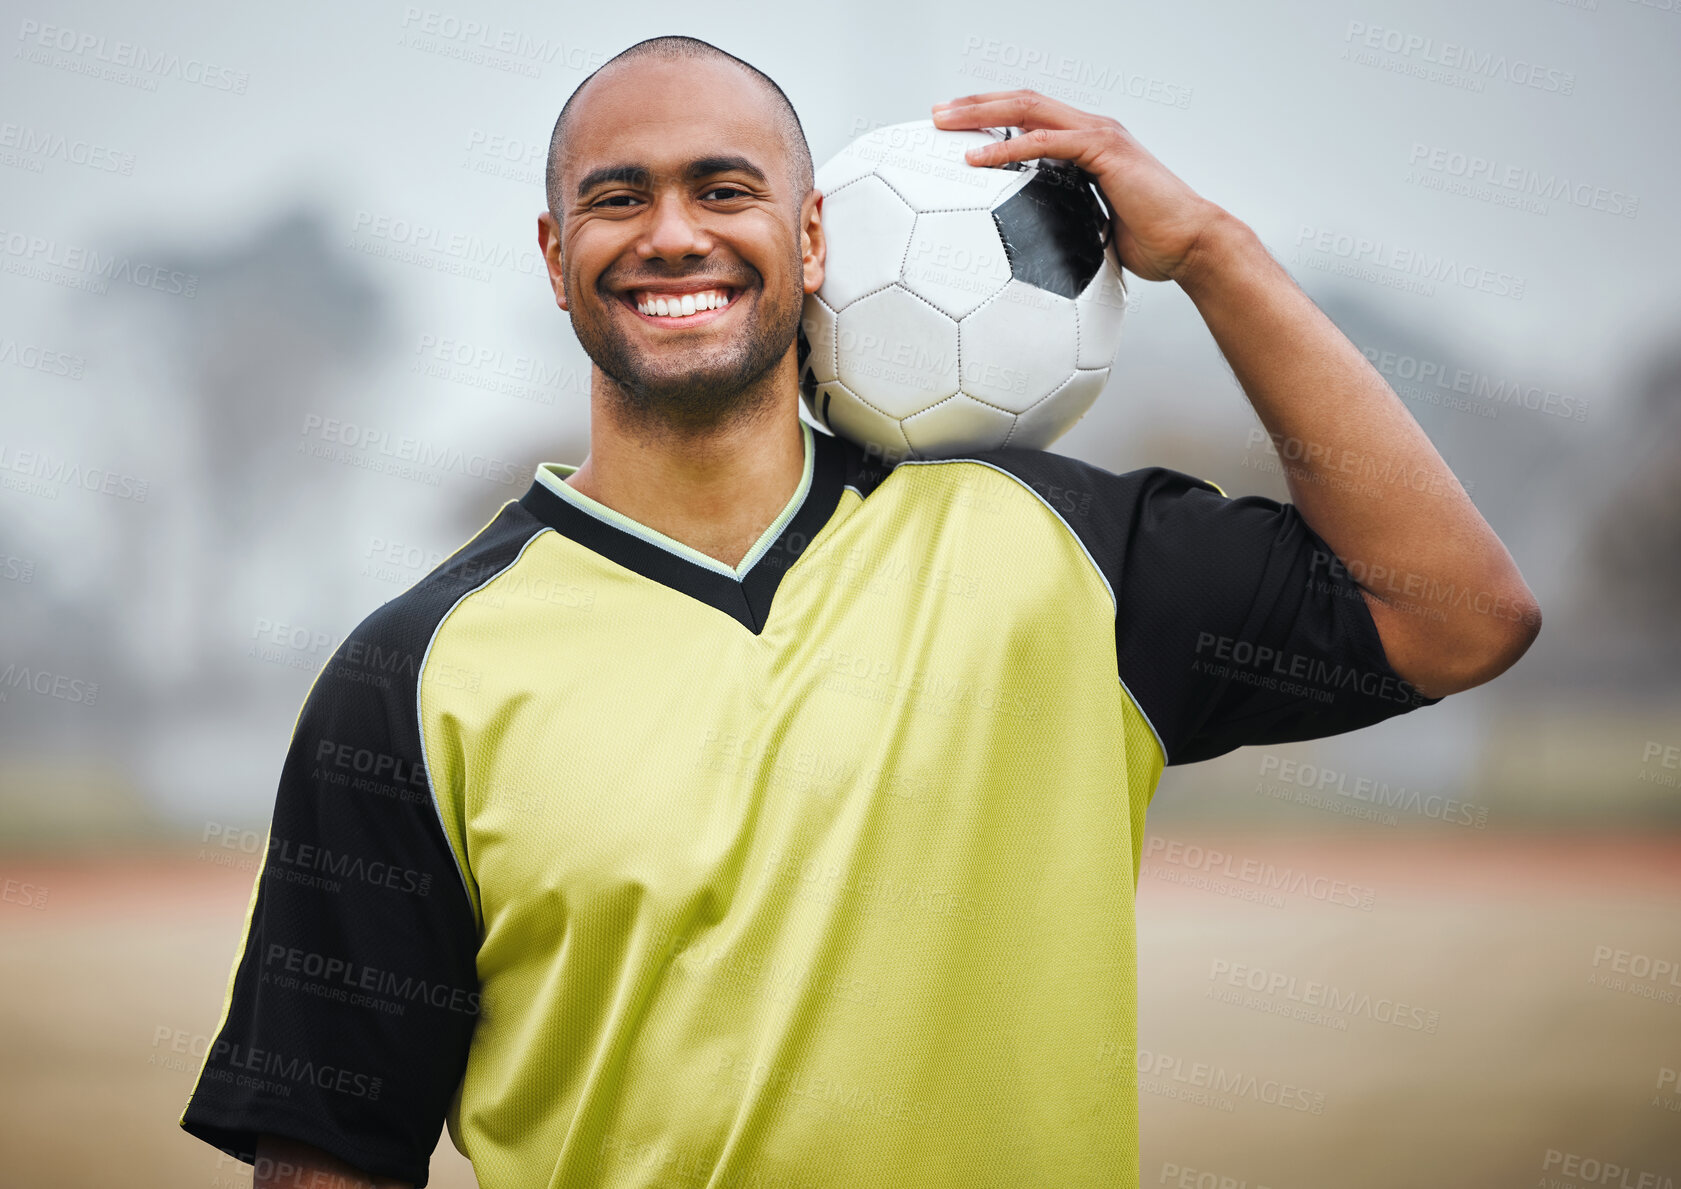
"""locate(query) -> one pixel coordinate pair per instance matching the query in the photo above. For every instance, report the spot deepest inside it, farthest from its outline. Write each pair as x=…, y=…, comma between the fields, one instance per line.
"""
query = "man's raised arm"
x=1411, y=541
x=1447, y=599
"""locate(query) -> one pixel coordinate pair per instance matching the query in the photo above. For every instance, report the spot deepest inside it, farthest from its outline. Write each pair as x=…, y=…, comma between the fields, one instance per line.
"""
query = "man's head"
x=676, y=167
x=679, y=49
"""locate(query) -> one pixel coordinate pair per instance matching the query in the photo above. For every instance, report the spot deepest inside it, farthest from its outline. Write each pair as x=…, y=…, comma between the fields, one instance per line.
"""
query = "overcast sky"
x=1283, y=113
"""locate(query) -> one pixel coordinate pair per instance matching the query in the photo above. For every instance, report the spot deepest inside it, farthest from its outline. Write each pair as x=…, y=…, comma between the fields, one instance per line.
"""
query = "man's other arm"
x=286, y=1164
x=1449, y=603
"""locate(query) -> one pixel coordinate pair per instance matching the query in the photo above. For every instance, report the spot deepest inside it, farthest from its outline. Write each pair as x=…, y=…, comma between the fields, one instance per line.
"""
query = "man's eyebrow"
x=701, y=167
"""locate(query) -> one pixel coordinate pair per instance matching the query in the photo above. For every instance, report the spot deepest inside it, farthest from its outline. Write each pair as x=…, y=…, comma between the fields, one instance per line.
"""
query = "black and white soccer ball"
x=962, y=307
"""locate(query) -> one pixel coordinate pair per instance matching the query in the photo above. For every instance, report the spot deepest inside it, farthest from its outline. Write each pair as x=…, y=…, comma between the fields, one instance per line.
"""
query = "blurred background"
x=249, y=258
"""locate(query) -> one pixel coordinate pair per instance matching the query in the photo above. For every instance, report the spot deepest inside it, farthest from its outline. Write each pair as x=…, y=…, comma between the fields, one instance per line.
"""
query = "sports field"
x=1322, y=1012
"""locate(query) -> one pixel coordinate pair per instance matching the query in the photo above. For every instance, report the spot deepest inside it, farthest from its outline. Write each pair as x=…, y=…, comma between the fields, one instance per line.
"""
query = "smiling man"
x=736, y=809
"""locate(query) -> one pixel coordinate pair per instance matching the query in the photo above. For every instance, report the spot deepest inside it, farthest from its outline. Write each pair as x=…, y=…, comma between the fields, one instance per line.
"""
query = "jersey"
x=636, y=868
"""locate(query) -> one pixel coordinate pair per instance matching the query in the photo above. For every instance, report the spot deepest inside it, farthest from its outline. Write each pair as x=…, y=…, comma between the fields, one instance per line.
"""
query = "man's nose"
x=674, y=230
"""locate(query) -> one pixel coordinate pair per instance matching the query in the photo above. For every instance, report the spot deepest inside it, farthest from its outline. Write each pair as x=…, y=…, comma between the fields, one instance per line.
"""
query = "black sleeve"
x=1237, y=624
x=1234, y=622
x=354, y=994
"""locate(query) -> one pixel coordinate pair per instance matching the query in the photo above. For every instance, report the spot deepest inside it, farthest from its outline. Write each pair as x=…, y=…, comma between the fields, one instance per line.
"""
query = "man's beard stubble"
x=728, y=383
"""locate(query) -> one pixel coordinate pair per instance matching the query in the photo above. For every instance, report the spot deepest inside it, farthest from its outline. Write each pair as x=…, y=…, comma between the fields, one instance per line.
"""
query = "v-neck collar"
x=744, y=591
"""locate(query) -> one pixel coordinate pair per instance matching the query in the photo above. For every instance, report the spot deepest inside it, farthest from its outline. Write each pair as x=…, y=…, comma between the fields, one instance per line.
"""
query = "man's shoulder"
x=1081, y=491
x=391, y=640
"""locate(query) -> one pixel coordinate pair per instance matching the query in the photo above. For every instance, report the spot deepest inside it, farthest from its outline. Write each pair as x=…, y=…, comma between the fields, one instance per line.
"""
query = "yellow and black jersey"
x=640, y=869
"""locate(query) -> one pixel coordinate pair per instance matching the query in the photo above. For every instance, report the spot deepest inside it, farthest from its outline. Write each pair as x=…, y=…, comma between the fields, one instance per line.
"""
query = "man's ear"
x=548, y=242
x=814, y=248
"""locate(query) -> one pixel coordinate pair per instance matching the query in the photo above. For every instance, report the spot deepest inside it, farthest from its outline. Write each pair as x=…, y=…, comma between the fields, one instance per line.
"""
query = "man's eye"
x=732, y=190
x=613, y=198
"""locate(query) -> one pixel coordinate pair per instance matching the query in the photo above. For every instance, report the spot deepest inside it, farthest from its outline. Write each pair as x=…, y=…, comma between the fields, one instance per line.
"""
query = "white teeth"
x=680, y=307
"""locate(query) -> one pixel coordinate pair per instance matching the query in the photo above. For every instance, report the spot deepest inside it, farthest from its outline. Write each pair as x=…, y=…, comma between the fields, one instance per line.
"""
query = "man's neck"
x=715, y=492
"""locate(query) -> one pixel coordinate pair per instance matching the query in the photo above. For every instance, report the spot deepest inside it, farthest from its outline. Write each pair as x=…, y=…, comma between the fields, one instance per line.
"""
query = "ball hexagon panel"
x=1101, y=309
x=897, y=352
x=875, y=227
x=817, y=341
x=851, y=418
x=1053, y=230
x=925, y=165
x=1017, y=348
x=844, y=168
x=957, y=426
x=955, y=260
x=1054, y=416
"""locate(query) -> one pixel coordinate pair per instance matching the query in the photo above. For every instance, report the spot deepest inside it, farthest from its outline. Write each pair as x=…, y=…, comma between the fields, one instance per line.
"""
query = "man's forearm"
x=1448, y=600
x=284, y=1163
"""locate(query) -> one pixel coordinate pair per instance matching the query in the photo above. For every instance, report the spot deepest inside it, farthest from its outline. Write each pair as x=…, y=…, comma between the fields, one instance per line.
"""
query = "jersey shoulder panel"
x=1230, y=626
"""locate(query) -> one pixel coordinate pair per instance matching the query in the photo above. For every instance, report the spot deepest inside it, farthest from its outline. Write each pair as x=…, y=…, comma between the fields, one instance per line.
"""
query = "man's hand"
x=1159, y=220
x=1448, y=602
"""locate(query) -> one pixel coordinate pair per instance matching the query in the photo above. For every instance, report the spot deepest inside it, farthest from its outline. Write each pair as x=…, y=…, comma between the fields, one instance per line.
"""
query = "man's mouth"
x=688, y=308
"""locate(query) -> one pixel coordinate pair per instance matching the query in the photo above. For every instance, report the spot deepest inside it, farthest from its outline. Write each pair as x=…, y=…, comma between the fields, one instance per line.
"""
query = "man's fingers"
x=1064, y=144
x=983, y=98
x=1020, y=109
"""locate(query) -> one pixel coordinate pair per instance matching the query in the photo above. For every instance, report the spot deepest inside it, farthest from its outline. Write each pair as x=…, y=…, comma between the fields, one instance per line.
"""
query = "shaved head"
x=669, y=49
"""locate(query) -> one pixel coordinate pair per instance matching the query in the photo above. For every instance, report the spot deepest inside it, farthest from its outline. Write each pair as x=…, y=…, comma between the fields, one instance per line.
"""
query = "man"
x=736, y=809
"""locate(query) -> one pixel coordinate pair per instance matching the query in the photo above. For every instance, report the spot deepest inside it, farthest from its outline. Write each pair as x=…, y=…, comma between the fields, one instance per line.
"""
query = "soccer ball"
x=963, y=307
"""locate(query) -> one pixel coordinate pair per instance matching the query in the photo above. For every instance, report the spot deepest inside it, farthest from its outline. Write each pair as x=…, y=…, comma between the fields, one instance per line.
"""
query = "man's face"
x=675, y=181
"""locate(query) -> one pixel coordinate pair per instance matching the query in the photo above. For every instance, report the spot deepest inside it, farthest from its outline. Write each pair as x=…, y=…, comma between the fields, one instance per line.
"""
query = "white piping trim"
x=420, y=720
x=1144, y=714
x=548, y=478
